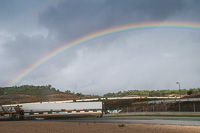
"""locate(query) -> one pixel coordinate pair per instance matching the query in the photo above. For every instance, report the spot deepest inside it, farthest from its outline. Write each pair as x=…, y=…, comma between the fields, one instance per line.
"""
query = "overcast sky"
x=144, y=60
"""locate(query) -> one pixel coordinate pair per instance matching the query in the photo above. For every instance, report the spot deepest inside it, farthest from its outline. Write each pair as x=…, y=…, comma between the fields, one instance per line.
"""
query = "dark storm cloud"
x=20, y=16
x=192, y=10
x=74, y=18
x=145, y=9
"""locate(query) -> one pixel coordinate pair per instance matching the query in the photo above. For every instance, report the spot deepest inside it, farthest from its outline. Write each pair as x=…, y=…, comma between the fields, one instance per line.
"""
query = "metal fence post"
x=194, y=107
x=134, y=108
x=147, y=108
x=153, y=108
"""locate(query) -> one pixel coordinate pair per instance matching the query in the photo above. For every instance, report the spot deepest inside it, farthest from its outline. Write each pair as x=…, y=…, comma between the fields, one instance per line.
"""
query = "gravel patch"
x=76, y=127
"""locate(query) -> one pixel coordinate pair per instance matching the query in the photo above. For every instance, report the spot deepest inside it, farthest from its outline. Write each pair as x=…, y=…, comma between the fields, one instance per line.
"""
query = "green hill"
x=30, y=93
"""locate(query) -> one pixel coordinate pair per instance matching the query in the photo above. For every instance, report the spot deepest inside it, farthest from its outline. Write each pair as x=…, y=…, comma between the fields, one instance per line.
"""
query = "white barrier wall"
x=61, y=106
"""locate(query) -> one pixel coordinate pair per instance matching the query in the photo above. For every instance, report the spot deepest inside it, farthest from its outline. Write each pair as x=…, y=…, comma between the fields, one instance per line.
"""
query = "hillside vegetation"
x=29, y=90
x=30, y=93
x=154, y=93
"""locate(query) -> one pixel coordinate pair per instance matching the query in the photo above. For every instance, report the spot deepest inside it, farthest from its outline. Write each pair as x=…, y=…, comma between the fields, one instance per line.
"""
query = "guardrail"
x=175, y=100
x=158, y=113
x=95, y=99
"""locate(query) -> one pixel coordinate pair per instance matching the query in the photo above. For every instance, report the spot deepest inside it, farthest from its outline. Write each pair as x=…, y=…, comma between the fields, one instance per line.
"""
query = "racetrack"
x=189, y=121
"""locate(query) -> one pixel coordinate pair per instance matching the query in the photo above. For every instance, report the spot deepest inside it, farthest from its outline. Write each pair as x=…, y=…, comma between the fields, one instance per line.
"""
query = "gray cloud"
x=149, y=59
x=140, y=63
x=25, y=49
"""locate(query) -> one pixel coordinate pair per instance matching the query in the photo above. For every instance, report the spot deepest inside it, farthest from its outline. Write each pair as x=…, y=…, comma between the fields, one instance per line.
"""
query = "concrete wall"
x=30, y=107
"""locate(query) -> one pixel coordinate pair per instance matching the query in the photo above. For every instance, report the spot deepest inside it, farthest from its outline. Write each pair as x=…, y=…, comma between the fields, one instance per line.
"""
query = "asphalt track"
x=189, y=121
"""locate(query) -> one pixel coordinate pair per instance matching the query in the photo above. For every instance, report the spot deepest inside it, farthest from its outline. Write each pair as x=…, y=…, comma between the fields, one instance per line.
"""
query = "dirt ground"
x=70, y=127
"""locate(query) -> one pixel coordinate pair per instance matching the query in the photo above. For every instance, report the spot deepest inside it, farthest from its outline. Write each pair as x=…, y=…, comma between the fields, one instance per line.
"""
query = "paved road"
x=191, y=121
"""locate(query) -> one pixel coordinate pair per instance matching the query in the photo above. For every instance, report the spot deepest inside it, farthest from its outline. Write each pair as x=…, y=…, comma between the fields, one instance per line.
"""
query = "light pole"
x=179, y=88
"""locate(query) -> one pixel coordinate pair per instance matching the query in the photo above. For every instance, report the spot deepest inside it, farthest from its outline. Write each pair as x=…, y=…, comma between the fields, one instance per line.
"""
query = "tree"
x=189, y=92
x=68, y=91
x=79, y=94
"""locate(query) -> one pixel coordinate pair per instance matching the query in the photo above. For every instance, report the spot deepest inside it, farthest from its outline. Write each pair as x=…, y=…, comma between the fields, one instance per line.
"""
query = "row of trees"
x=48, y=90
x=152, y=93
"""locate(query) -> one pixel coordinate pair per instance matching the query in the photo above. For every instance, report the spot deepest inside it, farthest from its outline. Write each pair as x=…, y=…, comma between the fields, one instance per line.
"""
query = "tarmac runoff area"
x=186, y=121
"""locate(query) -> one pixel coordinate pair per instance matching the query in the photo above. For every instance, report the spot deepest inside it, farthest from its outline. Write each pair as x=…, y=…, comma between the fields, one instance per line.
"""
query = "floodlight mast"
x=179, y=88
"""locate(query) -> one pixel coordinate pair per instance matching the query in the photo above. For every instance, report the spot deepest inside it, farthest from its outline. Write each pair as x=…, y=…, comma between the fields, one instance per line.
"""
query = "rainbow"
x=100, y=34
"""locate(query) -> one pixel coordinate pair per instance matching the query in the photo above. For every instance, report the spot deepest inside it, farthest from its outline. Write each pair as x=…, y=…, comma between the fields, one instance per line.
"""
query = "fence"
x=176, y=105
